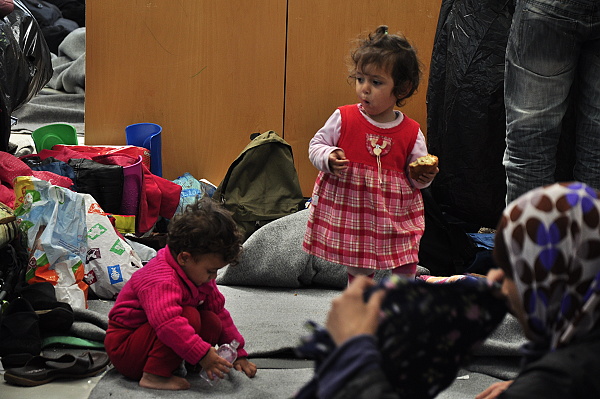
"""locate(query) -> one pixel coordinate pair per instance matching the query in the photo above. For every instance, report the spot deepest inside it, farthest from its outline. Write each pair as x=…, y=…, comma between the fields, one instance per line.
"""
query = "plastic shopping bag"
x=71, y=242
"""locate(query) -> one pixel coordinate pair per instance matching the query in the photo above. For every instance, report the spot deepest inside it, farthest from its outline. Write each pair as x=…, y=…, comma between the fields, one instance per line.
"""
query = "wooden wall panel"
x=212, y=72
x=320, y=37
x=209, y=72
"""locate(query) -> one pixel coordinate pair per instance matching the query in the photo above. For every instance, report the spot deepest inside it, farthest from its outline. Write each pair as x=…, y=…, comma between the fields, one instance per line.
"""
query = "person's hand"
x=496, y=277
x=338, y=162
x=427, y=177
x=494, y=390
x=246, y=366
x=350, y=316
x=215, y=365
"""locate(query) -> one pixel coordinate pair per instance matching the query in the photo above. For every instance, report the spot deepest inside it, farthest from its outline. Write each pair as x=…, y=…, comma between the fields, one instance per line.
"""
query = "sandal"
x=41, y=370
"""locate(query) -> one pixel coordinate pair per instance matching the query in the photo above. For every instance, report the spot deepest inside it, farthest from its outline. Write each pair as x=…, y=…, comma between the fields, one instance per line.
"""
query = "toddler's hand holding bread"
x=424, y=168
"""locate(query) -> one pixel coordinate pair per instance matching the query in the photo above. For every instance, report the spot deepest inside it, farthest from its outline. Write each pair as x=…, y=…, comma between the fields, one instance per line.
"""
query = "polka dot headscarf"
x=551, y=237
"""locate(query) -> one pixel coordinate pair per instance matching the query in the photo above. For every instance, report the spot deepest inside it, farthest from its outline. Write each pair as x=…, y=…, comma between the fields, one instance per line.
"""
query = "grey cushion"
x=273, y=257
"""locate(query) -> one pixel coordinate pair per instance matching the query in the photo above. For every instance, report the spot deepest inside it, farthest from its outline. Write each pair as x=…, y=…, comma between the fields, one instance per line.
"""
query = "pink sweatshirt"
x=156, y=294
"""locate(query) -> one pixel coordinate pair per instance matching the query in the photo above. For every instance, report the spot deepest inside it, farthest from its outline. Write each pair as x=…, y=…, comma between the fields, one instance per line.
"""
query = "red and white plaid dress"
x=370, y=216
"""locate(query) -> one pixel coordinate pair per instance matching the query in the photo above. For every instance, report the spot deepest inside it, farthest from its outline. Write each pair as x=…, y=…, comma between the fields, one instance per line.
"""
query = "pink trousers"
x=134, y=352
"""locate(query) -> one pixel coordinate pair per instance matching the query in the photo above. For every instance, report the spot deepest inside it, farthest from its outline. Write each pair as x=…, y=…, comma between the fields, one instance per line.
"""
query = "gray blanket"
x=51, y=106
x=269, y=319
x=273, y=257
x=63, y=98
x=69, y=65
x=271, y=293
x=273, y=318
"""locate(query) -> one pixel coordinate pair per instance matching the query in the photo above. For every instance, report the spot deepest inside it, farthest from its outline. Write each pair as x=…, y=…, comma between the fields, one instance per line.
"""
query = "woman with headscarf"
x=548, y=249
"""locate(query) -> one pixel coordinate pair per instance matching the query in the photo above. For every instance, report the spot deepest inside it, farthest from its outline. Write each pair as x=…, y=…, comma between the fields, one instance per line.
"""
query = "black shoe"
x=19, y=330
x=54, y=316
x=15, y=360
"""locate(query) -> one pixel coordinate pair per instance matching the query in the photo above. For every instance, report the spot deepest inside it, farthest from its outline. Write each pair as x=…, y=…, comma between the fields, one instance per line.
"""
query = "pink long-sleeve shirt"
x=157, y=294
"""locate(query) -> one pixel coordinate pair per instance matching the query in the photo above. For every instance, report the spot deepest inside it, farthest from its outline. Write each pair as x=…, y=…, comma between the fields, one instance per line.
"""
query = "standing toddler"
x=366, y=211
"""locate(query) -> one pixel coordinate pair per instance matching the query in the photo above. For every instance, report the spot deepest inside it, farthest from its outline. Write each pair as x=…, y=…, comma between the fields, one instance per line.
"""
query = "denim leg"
x=587, y=166
x=541, y=62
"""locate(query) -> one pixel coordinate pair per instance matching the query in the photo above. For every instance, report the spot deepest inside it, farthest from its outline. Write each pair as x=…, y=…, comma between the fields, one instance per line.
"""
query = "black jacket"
x=570, y=372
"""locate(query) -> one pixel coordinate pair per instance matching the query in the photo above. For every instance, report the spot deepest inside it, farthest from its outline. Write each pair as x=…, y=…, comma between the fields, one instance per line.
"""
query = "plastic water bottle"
x=227, y=352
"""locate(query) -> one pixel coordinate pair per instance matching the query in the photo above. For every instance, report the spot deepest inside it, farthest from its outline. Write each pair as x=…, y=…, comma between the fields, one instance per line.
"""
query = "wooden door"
x=209, y=72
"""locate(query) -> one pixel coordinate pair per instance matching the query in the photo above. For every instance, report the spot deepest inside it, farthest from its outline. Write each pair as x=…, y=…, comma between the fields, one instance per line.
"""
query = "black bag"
x=25, y=63
x=13, y=255
x=445, y=249
x=261, y=185
x=101, y=181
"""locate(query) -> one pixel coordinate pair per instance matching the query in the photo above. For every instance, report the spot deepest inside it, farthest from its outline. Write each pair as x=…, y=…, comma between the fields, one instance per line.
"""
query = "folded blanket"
x=69, y=65
x=273, y=257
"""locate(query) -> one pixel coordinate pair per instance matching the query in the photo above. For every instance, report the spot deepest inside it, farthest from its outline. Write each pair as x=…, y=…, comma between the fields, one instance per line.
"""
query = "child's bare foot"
x=172, y=383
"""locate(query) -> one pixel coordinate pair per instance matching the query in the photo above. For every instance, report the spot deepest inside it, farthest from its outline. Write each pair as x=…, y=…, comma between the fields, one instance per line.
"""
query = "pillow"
x=273, y=257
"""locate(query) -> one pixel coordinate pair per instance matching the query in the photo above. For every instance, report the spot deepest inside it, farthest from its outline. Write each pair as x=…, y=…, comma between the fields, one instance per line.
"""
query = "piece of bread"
x=423, y=164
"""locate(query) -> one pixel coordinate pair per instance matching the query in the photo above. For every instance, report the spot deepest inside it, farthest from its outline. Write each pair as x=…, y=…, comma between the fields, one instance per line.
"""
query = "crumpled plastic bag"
x=191, y=191
x=72, y=242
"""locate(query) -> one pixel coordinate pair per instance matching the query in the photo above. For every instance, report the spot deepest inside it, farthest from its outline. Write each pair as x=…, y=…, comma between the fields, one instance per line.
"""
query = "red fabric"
x=53, y=178
x=369, y=216
x=156, y=294
x=159, y=196
x=63, y=154
x=7, y=196
x=129, y=150
x=356, y=134
x=115, y=159
x=134, y=351
x=12, y=167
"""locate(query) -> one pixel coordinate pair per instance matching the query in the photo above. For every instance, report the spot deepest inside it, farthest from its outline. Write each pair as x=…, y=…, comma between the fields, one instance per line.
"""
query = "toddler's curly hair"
x=205, y=227
x=392, y=52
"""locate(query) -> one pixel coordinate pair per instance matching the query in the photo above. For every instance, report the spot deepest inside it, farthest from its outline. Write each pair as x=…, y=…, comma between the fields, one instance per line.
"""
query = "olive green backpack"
x=261, y=185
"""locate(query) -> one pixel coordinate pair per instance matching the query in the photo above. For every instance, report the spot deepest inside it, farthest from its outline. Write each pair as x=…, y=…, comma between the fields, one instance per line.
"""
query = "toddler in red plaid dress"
x=366, y=211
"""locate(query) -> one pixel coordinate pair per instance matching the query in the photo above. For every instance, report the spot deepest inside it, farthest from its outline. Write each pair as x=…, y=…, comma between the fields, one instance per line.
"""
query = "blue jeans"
x=551, y=43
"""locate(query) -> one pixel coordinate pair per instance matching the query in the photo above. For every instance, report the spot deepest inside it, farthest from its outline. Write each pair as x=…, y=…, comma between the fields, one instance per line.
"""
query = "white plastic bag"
x=71, y=242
